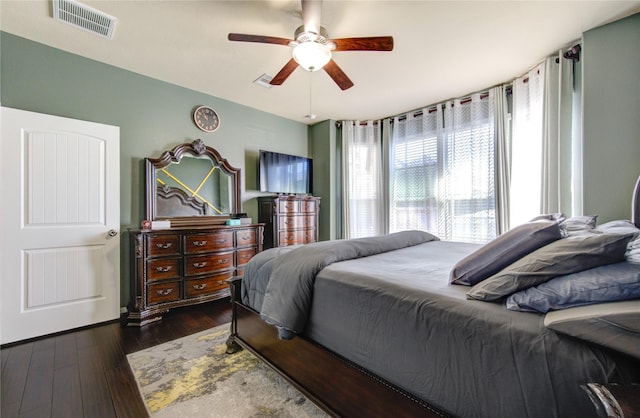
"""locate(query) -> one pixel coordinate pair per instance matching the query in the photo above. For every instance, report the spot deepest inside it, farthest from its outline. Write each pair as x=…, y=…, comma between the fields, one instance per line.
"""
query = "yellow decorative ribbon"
x=194, y=193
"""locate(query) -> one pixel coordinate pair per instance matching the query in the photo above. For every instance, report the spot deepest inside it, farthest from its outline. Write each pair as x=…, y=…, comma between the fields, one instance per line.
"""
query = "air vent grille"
x=264, y=81
x=84, y=17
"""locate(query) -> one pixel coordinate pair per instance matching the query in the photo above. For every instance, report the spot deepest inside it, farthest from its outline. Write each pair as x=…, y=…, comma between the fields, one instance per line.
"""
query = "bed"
x=375, y=327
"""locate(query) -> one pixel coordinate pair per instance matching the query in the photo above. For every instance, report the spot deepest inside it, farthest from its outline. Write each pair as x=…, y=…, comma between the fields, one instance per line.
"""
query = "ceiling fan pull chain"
x=310, y=116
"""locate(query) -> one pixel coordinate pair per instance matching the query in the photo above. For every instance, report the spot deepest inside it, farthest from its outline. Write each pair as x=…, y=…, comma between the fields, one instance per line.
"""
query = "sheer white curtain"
x=467, y=186
x=363, y=208
x=545, y=174
x=442, y=170
x=526, y=146
x=414, y=171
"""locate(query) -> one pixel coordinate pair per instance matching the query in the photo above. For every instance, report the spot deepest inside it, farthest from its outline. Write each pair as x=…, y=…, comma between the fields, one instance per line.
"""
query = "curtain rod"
x=364, y=123
x=572, y=53
x=434, y=108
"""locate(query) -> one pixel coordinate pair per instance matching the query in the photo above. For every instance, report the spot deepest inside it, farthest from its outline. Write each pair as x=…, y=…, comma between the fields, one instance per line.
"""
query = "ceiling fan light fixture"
x=312, y=56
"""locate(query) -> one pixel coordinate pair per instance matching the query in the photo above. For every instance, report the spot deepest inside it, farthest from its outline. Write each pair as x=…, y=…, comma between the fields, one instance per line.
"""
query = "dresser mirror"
x=191, y=185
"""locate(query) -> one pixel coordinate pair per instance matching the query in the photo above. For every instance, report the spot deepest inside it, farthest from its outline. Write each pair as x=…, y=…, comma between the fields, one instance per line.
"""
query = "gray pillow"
x=610, y=283
x=615, y=325
x=633, y=251
x=564, y=256
x=504, y=250
x=558, y=216
x=578, y=225
x=624, y=227
x=621, y=226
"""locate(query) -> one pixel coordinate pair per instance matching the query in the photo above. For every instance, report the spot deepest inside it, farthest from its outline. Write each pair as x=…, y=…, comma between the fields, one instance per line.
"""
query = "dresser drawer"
x=202, y=243
x=160, y=245
x=288, y=206
x=246, y=237
x=206, y=285
x=163, y=268
x=208, y=263
x=308, y=235
x=243, y=256
x=301, y=236
x=308, y=206
x=295, y=222
x=163, y=292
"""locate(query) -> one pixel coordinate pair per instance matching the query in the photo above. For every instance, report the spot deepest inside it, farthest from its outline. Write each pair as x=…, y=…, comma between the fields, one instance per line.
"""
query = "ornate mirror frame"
x=196, y=148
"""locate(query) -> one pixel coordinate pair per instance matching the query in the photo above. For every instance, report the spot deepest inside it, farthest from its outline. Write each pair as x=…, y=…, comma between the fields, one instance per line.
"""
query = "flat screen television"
x=285, y=174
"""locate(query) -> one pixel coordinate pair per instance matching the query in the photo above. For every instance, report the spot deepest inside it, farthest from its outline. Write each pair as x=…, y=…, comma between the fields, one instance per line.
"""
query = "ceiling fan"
x=312, y=47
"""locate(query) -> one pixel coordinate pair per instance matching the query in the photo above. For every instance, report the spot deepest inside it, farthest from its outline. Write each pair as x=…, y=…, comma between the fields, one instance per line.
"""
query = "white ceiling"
x=443, y=49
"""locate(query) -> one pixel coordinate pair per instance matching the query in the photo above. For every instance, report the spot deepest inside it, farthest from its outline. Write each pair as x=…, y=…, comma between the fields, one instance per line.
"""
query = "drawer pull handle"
x=164, y=292
x=222, y=241
x=221, y=282
x=164, y=245
x=245, y=238
x=222, y=261
x=164, y=269
x=246, y=256
x=199, y=243
x=200, y=265
x=199, y=286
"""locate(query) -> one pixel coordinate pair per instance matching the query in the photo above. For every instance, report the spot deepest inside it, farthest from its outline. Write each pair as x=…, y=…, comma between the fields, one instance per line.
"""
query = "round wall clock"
x=206, y=118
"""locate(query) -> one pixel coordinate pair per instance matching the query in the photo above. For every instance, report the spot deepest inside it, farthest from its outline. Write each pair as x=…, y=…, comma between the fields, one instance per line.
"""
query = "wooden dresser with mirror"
x=196, y=191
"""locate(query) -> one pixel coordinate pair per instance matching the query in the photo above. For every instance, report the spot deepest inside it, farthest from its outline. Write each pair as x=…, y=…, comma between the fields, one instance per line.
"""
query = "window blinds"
x=442, y=171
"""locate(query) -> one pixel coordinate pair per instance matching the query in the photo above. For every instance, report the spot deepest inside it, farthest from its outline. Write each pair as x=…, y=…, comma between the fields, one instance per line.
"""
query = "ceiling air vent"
x=84, y=17
x=264, y=80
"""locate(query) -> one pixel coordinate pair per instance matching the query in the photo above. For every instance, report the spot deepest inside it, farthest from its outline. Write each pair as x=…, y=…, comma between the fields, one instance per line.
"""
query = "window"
x=414, y=174
x=442, y=171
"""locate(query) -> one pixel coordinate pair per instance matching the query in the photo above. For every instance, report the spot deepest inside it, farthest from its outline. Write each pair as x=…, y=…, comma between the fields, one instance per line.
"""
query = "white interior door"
x=59, y=224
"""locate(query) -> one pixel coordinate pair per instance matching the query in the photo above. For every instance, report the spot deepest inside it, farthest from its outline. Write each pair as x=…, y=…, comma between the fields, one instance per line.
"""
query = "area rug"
x=194, y=377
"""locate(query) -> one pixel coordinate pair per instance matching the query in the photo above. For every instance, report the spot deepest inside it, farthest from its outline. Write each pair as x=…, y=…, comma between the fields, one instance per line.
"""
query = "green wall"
x=611, y=117
x=153, y=116
x=322, y=138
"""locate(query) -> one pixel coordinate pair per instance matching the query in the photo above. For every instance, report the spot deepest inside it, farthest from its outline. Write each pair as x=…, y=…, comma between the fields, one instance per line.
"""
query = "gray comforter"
x=395, y=313
x=289, y=291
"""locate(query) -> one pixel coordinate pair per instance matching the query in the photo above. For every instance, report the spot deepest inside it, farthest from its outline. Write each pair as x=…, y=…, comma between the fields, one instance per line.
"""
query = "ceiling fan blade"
x=258, y=38
x=338, y=75
x=374, y=43
x=312, y=15
x=284, y=73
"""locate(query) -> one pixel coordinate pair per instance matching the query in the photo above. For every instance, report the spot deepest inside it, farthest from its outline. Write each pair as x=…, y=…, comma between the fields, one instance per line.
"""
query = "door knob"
x=112, y=233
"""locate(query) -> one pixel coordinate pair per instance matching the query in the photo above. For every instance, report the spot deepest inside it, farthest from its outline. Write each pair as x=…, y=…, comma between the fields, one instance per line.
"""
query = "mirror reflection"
x=192, y=181
x=198, y=179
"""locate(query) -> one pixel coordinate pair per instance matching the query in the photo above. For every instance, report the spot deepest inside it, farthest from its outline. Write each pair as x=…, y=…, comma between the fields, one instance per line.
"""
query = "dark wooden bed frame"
x=337, y=386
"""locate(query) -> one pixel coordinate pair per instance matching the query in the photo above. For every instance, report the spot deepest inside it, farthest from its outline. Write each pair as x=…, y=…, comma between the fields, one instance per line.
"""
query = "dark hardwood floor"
x=85, y=373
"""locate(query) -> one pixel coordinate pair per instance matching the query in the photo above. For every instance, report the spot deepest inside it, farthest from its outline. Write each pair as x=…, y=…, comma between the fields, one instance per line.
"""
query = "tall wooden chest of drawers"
x=178, y=267
x=289, y=220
